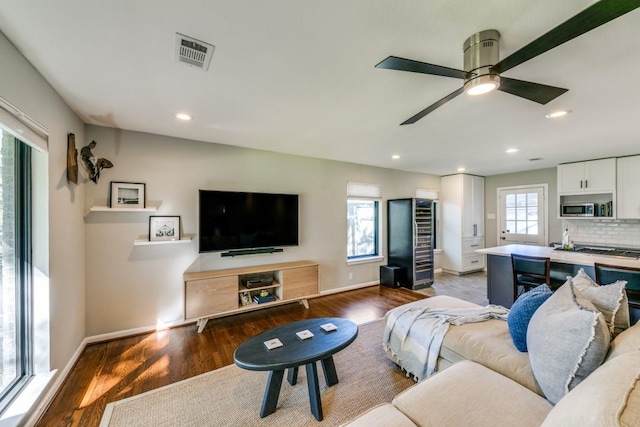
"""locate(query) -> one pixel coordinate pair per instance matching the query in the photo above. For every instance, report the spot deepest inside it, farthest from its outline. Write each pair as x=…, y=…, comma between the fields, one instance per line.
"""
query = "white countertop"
x=559, y=256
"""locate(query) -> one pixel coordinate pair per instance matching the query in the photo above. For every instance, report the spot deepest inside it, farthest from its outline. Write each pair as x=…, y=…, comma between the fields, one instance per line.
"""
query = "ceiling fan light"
x=482, y=84
x=482, y=88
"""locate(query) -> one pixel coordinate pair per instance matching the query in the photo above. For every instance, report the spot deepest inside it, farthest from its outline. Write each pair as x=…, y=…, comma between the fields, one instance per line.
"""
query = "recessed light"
x=461, y=169
x=183, y=116
x=395, y=156
x=511, y=150
x=556, y=114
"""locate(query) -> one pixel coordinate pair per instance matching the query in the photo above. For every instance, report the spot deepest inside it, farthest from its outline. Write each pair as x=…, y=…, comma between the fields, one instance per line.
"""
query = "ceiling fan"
x=482, y=68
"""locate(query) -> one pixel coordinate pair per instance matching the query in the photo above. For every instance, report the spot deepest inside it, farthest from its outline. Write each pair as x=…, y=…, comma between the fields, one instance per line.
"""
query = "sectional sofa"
x=483, y=380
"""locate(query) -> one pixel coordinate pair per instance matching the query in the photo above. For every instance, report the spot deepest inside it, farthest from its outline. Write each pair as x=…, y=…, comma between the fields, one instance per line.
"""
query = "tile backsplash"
x=606, y=232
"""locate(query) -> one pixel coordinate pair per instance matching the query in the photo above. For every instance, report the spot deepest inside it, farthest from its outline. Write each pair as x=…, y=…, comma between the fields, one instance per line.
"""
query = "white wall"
x=63, y=244
x=130, y=286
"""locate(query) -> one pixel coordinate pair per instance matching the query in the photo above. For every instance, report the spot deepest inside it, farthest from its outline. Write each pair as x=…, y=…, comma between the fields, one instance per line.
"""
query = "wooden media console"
x=217, y=293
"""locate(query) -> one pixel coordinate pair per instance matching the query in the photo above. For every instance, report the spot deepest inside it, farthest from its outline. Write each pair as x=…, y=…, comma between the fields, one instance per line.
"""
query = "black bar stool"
x=529, y=272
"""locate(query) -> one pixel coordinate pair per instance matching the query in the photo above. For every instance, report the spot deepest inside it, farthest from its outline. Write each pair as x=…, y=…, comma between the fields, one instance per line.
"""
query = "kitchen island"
x=563, y=264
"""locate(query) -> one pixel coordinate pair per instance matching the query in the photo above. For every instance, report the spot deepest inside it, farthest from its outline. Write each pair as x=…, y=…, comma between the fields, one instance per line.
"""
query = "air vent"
x=193, y=52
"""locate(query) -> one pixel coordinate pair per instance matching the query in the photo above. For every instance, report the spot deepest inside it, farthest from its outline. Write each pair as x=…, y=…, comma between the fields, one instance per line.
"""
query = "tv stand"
x=218, y=293
x=251, y=252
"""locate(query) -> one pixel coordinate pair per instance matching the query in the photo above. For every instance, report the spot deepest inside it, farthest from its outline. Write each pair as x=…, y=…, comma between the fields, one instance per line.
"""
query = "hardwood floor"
x=470, y=287
x=120, y=368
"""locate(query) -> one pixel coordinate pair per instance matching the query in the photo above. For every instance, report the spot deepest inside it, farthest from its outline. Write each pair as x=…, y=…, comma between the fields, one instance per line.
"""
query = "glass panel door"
x=15, y=265
x=522, y=218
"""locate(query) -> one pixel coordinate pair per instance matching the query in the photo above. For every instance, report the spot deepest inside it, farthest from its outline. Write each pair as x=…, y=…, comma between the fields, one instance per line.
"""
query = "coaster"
x=328, y=327
x=274, y=343
x=303, y=335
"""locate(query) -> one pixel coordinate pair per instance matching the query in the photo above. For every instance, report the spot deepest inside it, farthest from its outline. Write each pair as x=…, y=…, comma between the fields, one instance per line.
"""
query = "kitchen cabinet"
x=473, y=206
x=628, y=196
x=593, y=176
x=462, y=205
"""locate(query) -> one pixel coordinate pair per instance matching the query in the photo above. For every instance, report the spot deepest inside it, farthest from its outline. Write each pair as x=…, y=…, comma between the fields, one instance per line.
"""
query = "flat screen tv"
x=235, y=220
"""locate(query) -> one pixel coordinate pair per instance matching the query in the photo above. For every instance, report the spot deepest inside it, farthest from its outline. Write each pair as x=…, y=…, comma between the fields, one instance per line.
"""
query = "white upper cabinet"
x=594, y=176
x=628, y=171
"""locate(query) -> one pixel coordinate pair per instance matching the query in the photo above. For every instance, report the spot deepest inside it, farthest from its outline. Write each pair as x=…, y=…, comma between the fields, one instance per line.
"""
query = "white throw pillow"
x=568, y=338
x=610, y=299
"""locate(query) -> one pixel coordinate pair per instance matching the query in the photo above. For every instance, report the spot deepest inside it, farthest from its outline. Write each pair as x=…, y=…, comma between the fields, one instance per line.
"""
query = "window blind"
x=359, y=189
x=23, y=127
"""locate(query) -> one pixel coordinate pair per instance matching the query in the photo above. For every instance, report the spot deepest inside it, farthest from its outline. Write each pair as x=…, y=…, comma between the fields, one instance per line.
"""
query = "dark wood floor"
x=113, y=370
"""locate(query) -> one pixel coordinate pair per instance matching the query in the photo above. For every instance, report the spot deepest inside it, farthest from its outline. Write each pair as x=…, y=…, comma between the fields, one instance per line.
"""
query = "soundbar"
x=251, y=252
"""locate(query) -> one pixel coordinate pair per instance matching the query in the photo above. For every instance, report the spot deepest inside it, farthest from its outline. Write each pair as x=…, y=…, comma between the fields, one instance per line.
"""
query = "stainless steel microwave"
x=579, y=209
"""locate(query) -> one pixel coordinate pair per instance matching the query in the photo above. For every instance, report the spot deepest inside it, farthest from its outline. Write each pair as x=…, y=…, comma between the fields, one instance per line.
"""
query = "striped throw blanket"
x=413, y=336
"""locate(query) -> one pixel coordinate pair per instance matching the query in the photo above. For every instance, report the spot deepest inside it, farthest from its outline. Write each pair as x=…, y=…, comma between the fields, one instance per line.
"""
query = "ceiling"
x=299, y=77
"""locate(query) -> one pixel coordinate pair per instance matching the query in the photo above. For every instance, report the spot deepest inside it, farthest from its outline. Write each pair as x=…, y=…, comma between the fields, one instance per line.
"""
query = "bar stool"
x=529, y=272
x=607, y=274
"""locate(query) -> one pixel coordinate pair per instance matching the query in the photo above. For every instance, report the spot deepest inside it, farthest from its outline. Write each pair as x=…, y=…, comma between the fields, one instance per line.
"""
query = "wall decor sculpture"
x=72, y=159
x=93, y=164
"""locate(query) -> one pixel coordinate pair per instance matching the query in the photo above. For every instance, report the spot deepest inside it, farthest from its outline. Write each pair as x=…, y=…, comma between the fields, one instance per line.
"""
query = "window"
x=363, y=221
x=522, y=213
x=15, y=266
x=362, y=228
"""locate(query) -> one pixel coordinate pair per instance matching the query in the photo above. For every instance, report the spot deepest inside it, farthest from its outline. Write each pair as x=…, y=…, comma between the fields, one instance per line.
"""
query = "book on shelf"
x=261, y=299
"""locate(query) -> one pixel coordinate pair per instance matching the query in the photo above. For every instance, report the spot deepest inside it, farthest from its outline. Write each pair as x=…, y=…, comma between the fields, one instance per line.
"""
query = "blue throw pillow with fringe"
x=521, y=312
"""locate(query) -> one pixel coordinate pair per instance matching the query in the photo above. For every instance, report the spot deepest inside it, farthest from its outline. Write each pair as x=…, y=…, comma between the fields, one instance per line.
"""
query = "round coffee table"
x=295, y=352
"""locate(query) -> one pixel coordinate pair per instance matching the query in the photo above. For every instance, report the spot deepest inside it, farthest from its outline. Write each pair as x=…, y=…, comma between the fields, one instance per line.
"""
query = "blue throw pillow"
x=521, y=312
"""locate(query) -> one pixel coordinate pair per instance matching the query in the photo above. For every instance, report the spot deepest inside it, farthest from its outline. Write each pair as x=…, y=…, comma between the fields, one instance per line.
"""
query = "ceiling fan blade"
x=592, y=17
x=432, y=107
x=535, y=92
x=395, y=63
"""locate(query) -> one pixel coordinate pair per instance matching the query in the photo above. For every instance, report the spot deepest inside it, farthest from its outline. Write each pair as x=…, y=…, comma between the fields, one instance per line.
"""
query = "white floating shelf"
x=146, y=242
x=152, y=206
x=108, y=209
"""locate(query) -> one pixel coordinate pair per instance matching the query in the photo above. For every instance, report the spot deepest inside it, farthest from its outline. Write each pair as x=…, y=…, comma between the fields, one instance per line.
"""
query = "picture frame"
x=245, y=298
x=164, y=228
x=127, y=195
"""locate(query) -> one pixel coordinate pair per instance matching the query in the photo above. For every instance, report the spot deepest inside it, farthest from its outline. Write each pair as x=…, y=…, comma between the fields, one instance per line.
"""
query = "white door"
x=522, y=215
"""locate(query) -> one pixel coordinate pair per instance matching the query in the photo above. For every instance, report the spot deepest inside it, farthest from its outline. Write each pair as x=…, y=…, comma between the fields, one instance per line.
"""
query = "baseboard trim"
x=349, y=288
x=40, y=408
x=135, y=331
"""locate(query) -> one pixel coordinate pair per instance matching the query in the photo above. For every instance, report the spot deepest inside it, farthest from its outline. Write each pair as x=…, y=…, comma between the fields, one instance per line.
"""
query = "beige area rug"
x=231, y=396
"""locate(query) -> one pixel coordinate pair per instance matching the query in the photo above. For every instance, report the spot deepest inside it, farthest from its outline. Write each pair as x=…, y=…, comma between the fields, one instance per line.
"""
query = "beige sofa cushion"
x=468, y=394
x=381, y=415
x=489, y=343
x=628, y=340
x=610, y=396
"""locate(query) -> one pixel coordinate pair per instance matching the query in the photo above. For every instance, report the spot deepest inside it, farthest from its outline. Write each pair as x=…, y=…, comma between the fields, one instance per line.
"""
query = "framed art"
x=164, y=228
x=127, y=195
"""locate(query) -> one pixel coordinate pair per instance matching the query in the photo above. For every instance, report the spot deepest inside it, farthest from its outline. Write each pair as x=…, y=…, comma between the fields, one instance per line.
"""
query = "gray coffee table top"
x=253, y=355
